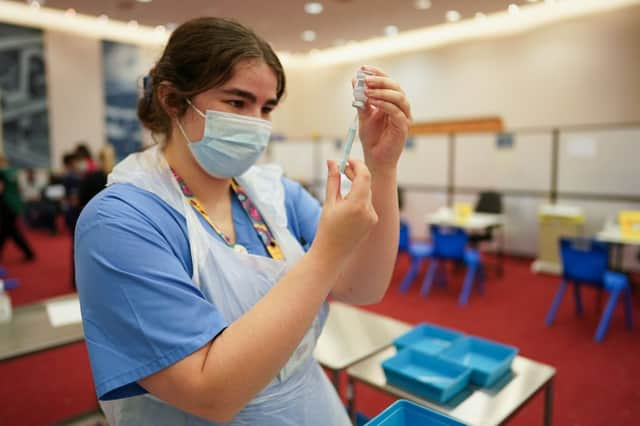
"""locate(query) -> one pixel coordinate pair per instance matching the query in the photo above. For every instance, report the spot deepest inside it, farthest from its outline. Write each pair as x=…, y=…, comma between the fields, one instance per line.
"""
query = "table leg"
x=351, y=397
x=501, y=254
x=548, y=403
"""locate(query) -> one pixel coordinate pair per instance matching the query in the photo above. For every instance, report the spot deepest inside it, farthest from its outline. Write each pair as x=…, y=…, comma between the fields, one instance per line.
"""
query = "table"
x=352, y=334
x=30, y=330
x=613, y=235
x=476, y=406
x=476, y=223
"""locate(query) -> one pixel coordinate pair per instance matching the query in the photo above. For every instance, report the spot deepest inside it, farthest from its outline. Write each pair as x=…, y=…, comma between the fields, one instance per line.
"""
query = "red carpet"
x=596, y=384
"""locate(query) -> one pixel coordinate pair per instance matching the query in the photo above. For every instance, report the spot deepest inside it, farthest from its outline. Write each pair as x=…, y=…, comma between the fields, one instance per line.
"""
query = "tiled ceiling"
x=282, y=22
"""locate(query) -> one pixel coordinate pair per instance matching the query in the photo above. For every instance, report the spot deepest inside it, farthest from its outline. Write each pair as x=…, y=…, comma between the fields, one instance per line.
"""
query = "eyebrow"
x=248, y=95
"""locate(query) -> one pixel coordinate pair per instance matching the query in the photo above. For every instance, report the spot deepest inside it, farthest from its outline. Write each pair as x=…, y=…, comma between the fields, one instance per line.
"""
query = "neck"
x=208, y=189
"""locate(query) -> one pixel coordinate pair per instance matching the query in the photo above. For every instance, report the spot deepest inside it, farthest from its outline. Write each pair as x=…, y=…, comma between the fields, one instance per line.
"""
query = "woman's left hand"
x=384, y=122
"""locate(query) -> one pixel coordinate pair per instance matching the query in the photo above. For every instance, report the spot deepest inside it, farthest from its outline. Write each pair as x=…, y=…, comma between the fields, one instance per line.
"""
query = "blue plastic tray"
x=488, y=360
x=426, y=375
x=406, y=413
x=427, y=338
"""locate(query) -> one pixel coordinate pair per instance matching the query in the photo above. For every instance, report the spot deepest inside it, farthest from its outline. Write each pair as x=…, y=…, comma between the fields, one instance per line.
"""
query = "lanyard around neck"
x=259, y=225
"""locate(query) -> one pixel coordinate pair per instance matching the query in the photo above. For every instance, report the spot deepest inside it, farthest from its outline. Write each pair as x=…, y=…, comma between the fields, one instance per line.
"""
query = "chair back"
x=403, y=244
x=448, y=242
x=584, y=260
x=489, y=202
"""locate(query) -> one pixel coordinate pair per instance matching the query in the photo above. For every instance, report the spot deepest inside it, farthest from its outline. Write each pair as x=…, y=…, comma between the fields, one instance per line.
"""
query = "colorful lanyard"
x=256, y=218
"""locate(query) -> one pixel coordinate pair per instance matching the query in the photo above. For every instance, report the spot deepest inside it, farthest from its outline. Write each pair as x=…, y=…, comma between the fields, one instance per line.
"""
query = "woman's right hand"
x=345, y=221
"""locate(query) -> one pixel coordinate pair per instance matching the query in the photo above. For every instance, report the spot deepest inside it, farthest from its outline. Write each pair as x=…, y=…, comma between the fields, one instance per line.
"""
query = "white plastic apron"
x=234, y=282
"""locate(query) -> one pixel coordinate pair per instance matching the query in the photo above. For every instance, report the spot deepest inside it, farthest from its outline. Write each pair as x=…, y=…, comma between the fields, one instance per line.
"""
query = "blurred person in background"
x=10, y=209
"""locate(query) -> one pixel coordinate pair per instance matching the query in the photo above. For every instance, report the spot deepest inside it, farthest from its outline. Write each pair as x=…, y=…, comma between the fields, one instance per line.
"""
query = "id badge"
x=302, y=352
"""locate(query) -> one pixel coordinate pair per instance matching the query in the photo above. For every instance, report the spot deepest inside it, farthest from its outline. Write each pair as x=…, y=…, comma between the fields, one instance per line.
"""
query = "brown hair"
x=201, y=54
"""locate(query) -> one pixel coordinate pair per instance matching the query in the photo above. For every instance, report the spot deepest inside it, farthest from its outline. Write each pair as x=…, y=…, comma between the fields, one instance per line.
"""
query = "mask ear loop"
x=184, y=133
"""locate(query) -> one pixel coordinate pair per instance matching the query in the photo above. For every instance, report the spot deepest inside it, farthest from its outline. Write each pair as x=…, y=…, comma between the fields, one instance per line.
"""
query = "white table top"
x=352, y=334
x=475, y=222
x=477, y=406
x=33, y=328
x=612, y=234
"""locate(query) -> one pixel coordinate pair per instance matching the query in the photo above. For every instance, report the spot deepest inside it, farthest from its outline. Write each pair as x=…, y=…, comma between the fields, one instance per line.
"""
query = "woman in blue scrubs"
x=203, y=278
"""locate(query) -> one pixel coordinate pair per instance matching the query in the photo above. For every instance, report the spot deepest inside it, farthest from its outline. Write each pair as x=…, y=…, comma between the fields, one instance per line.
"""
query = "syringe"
x=351, y=135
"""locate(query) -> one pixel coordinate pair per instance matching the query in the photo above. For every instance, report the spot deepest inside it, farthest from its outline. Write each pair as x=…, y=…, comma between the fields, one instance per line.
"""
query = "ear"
x=166, y=96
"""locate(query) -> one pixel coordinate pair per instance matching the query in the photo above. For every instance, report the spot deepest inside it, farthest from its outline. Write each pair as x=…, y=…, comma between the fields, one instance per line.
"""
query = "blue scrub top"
x=141, y=312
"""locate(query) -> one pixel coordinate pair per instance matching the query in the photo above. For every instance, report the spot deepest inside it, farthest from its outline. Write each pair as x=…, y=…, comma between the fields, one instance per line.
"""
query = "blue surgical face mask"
x=231, y=143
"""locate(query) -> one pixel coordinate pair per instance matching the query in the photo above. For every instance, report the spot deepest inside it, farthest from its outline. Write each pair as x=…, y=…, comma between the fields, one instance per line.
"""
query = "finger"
x=333, y=183
x=397, y=116
x=377, y=82
x=374, y=70
x=360, y=179
x=392, y=96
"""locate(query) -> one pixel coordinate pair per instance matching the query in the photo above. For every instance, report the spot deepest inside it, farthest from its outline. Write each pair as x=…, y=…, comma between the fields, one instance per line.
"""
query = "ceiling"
x=282, y=22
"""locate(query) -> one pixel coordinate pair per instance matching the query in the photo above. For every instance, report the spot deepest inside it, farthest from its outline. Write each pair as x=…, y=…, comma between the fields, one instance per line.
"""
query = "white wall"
x=573, y=72
x=75, y=91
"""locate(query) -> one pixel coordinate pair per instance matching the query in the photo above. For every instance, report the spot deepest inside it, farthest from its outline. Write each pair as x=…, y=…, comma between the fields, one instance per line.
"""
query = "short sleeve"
x=141, y=311
x=303, y=212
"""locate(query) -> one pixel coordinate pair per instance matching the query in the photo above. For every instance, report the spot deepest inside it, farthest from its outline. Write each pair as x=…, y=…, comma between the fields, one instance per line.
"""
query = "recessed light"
x=313, y=8
x=422, y=4
x=308, y=35
x=453, y=16
x=145, y=1
x=390, y=30
x=514, y=9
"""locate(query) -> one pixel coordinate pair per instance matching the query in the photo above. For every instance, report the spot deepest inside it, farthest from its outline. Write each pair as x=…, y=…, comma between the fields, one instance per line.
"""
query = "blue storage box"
x=488, y=360
x=426, y=375
x=406, y=413
x=427, y=338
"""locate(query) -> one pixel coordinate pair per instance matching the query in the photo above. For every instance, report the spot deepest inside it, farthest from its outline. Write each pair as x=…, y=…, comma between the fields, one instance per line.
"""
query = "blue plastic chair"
x=448, y=244
x=403, y=243
x=585, y=262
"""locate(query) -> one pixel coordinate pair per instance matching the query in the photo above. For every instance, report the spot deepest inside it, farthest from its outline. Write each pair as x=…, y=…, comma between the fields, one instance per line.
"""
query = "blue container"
x=426, y=375
x=427, y=338
x=488, y=360
x=406, y=413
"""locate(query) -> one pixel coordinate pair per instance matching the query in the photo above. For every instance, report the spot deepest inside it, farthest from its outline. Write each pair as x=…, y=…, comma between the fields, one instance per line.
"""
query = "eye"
x=235, y=103
x=267, y=110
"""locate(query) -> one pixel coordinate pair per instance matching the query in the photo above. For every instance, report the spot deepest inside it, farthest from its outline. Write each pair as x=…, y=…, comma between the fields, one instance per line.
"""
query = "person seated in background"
x=39, y=210
x=87, y=163
x=10, y=209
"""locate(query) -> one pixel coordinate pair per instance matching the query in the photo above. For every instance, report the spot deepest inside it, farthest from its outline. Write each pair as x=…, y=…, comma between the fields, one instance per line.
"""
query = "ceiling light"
x=145, y=1
x=313, y=8
x=160, y=29
x=422, y=4
x=35, y=5
x=70, y=13
x=390, y=30
x=103, y=19
x=481, y=16
x=453, y=16
x=132, y=24
x=308, y=35
x=513, y=9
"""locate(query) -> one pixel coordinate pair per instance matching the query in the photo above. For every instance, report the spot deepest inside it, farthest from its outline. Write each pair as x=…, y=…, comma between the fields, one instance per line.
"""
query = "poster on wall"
x=123, y=71
x=23, y=97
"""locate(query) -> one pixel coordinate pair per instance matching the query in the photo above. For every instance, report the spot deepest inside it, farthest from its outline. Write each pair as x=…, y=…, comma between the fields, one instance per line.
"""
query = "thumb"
x=333, y=183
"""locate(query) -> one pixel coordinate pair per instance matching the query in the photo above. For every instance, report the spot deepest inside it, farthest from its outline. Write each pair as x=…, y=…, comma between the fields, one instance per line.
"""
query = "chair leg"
x=481, y=277
x=627, y=309
x=606, y=316
x=428, y=279
x=441, y=275
x=556, y=303
x=468, y=285
x=416, y=263
x=578, y=298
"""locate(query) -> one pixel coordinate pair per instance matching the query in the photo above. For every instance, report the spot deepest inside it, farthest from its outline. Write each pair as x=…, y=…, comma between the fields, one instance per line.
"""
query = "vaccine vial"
x=359, y=98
